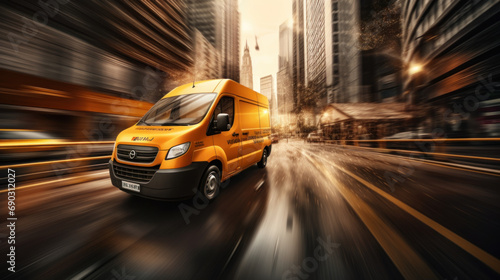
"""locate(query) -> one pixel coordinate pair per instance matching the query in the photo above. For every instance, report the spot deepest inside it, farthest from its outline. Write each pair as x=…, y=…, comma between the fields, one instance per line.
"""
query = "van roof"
x=220, y=86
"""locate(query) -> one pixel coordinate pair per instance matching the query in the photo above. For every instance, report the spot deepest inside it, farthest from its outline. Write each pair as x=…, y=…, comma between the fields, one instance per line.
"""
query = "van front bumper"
x=166, y=184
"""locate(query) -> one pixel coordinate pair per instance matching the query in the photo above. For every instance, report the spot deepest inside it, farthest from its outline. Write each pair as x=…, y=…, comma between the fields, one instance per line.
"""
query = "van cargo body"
x=191, y=140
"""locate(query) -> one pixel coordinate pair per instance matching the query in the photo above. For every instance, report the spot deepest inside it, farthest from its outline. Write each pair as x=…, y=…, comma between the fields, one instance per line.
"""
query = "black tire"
x=263, y=160
x=210, y=183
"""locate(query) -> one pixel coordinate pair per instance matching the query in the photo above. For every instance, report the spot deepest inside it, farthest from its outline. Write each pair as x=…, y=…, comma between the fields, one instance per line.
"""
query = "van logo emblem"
x=131, y=155
x=142, y=138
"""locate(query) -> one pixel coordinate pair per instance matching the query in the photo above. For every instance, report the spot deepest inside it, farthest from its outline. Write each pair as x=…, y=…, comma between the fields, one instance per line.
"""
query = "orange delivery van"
x=195, y=137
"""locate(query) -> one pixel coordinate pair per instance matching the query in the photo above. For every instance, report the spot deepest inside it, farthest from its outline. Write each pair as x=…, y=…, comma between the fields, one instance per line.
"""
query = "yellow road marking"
x=470, y=248
x=437, y=140
x=425, y=153
x=51, y=162
x=455, y=167
x=408, y=262
x=432, y=163
x=20, y=144
x=54, y=181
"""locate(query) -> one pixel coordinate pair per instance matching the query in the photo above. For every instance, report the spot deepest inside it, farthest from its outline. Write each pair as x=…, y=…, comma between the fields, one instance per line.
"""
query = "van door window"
x=225, y=105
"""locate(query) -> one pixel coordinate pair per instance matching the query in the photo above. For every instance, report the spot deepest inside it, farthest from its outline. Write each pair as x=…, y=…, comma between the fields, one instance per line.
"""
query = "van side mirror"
x=223, y=122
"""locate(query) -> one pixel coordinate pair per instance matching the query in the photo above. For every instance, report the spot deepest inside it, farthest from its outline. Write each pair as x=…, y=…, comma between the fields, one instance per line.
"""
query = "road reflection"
x=107, y=233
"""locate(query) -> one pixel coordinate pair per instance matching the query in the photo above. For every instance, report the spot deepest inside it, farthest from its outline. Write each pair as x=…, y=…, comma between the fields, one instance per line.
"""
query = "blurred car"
x=17, y=144
x=275, y=138
x=410, y=135
x=313, y=137
x=410, y=145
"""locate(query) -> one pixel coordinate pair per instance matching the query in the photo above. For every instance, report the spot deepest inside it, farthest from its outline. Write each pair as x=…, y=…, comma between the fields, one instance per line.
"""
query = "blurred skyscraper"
x=286, y=46
x=246, y=74
x=207, y=64
x=266, y=87
x=343, y=57
x=285, y=73
x=67, y=66
x=450, y=49
x=327, y=57
x=106, y=46
x=315, y=49
x=219, y=22
x=298, y=13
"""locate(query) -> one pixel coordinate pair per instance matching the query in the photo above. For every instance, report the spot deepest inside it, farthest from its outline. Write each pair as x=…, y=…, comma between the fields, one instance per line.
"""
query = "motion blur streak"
x=406, y=260
x=385, y=156
x=483, y=256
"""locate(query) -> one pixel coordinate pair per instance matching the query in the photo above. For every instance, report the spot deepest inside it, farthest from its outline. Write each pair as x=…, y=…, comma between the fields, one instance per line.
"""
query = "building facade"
x=246, y=74
x=206, y=58
x=219, y=22
x=285, y=72
x=343, y=56
x=267, y=89
x=99, y=54
x=381, y=76
x=285, y=59
x=231, y=62
x=315, y=74
x=450, y=53
x=298, y=75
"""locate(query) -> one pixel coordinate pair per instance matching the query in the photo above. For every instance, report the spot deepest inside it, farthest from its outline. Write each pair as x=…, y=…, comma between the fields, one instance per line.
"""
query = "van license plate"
x=131, y=186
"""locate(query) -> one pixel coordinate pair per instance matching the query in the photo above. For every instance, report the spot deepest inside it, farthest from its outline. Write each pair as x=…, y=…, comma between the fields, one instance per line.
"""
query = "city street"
x=315, y=212
x=356, y=139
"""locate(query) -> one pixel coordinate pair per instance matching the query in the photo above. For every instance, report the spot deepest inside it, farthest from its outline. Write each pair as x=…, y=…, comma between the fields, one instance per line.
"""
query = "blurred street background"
x=386, y=138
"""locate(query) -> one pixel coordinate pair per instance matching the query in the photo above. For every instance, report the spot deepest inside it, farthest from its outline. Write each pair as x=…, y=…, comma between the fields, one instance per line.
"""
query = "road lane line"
x=259, y=185
x=409, y=263
x=451, y=166
x=57, y=181
x=467, y=246
x=230, y=257
x=52, y=162
x=475, y=169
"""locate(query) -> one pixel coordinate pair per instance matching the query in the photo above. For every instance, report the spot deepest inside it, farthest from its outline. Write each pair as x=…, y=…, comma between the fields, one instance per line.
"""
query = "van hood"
x=163, y=137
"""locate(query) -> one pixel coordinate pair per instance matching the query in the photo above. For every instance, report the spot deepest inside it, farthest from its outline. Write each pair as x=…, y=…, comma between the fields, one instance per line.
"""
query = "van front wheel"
x=263, y=161
x=210, y=183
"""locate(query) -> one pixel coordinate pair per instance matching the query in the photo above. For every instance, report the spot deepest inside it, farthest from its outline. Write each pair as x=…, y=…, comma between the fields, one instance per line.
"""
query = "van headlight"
x=177, y=151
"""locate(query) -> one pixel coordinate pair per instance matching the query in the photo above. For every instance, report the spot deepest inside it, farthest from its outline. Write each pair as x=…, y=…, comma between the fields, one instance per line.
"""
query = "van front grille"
x=134, y=173
x=134, y=153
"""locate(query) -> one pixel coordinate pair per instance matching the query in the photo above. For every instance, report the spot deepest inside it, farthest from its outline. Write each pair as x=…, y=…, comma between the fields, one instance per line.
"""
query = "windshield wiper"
x=144, y=122
x=173, y=124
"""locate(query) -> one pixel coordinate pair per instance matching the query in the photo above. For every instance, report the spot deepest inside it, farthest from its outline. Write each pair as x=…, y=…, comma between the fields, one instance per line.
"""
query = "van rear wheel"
x=263, y=161
x=210, y=182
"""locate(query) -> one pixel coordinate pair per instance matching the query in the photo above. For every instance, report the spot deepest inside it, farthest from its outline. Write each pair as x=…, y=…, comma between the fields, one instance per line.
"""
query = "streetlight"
x=415, y=68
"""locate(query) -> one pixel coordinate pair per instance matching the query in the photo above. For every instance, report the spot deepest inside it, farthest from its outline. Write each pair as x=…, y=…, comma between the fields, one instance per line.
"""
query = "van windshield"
x=186, y=109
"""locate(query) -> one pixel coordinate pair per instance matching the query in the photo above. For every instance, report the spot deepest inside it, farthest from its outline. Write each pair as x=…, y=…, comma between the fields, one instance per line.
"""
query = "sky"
x=262, y=18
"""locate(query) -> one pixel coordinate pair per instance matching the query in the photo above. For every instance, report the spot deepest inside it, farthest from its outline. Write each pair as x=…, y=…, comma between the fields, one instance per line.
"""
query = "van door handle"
x=235, y=134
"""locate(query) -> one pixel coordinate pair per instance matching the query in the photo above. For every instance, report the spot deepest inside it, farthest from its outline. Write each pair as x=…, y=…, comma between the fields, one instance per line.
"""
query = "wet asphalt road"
x=315, y=212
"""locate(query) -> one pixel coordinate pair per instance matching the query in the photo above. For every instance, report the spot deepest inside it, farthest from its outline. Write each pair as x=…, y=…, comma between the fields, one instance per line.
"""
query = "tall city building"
x=119, y=44
x=285, y=59
x=231, y=62
x=219, y=22
x=450, y=49
x=343, y=56
x=285, y=72
x=315, y=74
x=206, y=58
x=246, y=75
x=298, y=76
x=267, y=89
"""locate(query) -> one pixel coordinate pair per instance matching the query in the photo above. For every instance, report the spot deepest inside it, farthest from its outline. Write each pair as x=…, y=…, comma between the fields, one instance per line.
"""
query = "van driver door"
x=229, y=141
